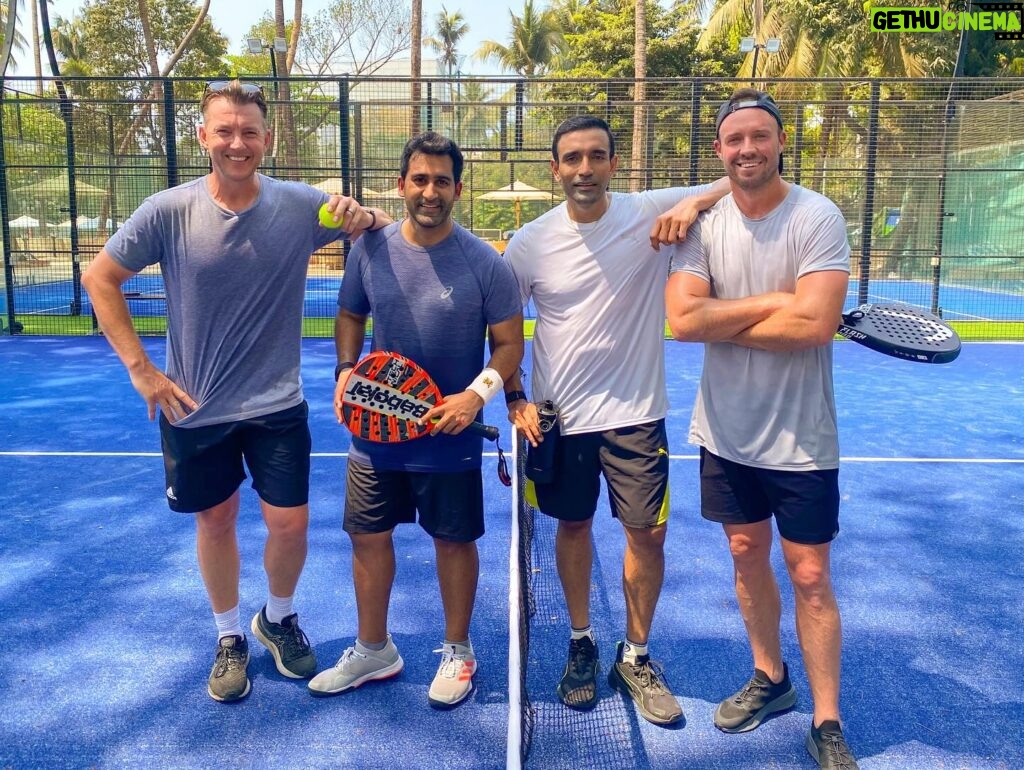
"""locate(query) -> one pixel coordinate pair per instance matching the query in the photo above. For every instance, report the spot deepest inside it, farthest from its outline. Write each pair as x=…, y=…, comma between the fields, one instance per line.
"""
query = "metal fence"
x=929, y=173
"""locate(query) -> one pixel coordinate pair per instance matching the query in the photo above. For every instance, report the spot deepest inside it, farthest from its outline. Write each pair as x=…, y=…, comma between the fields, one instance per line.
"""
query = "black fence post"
x=520, y=93
x=5, y=216
x=696, y=95
x=867, y=214
x=170, y=134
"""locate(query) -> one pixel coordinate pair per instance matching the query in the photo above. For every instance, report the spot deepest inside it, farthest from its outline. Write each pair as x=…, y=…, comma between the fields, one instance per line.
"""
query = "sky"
x=233, y=18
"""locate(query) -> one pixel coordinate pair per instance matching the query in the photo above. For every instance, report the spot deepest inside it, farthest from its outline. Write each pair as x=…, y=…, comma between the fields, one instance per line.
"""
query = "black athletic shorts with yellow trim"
x=204, y=466
x=450, y=505
x=634, y=463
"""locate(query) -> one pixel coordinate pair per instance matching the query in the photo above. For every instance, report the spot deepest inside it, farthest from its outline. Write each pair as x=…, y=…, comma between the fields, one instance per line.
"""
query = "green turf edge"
x=56, y=326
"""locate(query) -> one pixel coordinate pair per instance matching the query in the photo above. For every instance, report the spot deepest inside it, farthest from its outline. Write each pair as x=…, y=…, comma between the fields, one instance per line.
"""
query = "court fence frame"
x=927, y=172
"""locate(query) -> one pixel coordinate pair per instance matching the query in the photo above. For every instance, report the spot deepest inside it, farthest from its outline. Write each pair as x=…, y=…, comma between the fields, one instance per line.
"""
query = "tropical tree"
x=638, y=157
x=449, y=29
x=535, y=42
x=20, y=43
x=68, y=37
x=415, y=61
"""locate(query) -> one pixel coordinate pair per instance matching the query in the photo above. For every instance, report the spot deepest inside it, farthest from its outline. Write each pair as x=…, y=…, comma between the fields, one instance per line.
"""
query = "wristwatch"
x=342, y=367
x=514, y=395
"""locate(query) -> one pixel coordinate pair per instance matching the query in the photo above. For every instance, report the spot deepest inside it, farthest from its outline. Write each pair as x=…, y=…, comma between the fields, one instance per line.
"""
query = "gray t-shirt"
x=756, y=407
x=433, y=305
x=235, y=284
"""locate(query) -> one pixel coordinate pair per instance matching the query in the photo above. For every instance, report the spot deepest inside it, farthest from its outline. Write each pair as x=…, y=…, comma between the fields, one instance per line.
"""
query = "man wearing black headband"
x=761, y=280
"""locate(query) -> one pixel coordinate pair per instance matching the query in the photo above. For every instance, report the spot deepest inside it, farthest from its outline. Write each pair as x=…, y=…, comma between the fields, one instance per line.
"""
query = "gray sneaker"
x=293, y=656
x=357, y=666
x=758, y=698
x=228, y=680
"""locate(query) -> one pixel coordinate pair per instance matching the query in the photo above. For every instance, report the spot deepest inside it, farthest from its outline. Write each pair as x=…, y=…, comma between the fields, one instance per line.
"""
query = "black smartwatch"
x=342, y=367
x=514, y=395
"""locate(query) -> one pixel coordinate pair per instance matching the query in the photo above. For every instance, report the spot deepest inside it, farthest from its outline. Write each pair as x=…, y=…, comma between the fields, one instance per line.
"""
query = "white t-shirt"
x=599, y=291
x=766, y=409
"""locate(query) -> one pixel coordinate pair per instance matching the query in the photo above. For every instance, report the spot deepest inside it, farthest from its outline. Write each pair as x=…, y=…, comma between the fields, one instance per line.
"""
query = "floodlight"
x=746, y=44
x=772, y=45
x=255, y=45
x=280, y=45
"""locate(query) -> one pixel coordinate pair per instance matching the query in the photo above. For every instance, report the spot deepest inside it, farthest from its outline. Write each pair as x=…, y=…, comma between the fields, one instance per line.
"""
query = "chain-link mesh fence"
x=929, y=173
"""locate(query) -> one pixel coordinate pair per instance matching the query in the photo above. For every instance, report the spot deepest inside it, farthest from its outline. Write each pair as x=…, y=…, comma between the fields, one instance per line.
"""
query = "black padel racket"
x=902, y=331
x=385, y=396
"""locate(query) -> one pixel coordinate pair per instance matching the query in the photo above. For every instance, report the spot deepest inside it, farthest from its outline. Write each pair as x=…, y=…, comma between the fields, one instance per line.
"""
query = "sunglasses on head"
x=250, y=89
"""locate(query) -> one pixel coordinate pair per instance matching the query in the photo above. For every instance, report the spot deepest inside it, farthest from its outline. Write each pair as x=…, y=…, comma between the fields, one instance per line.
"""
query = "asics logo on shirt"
x=447, y=292
x=171, y=495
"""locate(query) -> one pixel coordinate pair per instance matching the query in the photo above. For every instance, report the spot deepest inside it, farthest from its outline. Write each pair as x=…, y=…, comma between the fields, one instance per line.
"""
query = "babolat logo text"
x=380, y=398
x=1003, y=19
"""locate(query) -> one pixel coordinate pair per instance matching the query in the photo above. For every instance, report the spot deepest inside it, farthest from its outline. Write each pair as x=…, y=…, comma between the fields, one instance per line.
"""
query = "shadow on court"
x=109, y=639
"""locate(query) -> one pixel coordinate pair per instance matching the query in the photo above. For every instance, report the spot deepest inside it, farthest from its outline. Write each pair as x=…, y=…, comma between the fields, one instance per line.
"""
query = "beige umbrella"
x=57, y=187
x=335, y=185
x=24, y=222
x=517, y=192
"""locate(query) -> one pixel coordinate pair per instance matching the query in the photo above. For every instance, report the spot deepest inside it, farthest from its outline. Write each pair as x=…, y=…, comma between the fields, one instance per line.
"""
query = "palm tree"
x=449, y=29
x=638, y=157
x=415, y=60
x=19, y=39
x=534, y=44
x=69, y=44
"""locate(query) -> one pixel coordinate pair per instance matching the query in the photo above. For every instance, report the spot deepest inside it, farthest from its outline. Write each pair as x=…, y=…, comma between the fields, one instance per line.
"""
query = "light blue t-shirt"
x=433, y=305
x=235, y=285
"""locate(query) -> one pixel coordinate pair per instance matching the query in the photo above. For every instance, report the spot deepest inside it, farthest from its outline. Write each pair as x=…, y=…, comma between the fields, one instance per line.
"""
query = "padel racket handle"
x=488, y=432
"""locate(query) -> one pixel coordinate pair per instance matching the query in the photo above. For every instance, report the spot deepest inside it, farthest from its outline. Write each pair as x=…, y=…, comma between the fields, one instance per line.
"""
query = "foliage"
x=356, y=37
x=534, y=44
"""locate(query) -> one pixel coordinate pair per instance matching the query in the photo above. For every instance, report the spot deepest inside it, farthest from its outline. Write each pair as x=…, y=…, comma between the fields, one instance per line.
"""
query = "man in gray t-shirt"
x=233, y=248
x=761, y=280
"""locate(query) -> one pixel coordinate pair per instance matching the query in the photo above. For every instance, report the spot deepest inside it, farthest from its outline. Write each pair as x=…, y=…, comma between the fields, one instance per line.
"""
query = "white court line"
x=967, y=460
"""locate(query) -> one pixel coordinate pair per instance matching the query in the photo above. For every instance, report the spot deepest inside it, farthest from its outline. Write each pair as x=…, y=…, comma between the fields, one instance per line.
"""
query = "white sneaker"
x=357, y=666
x=454, y=678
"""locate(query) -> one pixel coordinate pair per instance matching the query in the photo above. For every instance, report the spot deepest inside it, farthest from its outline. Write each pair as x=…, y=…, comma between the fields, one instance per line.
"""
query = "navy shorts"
x=805, y=503
x=450, y=505
x=634, y=463
x=204, y=466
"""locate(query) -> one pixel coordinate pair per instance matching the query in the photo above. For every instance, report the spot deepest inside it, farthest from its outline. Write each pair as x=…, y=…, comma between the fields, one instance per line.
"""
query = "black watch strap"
x=342, y=367
x=514, y=395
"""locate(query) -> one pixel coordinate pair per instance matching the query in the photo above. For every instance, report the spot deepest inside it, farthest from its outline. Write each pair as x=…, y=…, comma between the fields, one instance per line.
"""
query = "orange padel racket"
x=385, y=396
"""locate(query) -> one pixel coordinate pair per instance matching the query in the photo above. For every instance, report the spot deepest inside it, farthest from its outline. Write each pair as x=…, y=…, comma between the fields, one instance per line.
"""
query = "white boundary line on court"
x=966, y=460
x=513, y=744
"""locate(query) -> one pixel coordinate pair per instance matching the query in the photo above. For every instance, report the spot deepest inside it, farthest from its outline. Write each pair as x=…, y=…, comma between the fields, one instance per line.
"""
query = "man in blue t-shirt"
x=233, y=248
x=435, y=292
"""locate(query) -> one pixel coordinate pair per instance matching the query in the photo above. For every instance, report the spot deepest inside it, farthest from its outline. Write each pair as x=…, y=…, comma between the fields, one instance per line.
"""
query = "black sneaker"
x=644, y=682
x=828, y=746
x=577, y=688
x=759, y=697
x=289, y=646
x=228, y=680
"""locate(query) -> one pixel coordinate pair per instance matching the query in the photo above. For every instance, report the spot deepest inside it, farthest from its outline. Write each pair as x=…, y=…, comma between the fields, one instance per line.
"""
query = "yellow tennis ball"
x=327, y=218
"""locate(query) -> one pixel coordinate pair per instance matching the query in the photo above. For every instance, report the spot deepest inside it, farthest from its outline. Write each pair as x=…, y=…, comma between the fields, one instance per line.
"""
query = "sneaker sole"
x=385, y=673
x=580, y=706
x=618, y=684
x=272, y=648
x=784, y=702
x=210, y=692
x=441, y=705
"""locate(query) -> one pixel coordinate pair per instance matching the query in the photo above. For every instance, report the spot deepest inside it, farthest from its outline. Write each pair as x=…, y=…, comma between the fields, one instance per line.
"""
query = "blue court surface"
x=109, y=639
x=958, y=303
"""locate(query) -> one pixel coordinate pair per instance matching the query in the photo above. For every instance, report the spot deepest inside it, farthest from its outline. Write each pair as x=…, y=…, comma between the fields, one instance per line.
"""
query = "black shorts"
x=805, y=503
x=204, y=466
x=450, y=505
x=634, y=463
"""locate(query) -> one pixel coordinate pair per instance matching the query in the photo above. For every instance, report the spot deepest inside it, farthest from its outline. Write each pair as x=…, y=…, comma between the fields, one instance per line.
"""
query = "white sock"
x=278, y=608
x=578, y=633
x=460, y=647
x=228, y=623
x=631, y=651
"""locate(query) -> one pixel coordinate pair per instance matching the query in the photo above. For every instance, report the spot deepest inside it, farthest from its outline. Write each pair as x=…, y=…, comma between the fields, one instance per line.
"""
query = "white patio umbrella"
x=517, y=192
x=24, y=222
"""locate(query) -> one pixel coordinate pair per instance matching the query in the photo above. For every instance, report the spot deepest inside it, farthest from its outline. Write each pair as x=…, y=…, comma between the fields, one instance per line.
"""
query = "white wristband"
x=487, y=384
